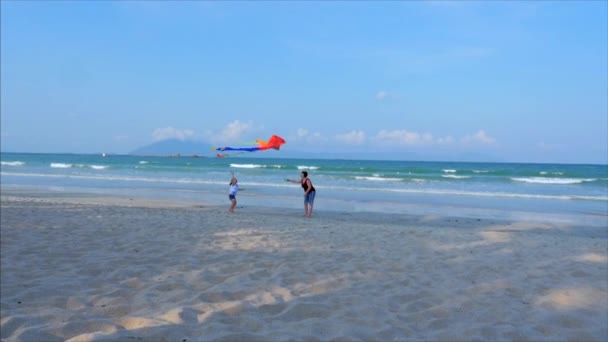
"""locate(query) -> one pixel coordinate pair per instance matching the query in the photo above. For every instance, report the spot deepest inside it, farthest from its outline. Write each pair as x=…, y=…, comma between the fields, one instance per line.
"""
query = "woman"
x=309, y=192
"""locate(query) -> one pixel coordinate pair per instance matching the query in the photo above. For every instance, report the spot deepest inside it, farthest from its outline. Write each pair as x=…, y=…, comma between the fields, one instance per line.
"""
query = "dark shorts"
x=310, y=197
x=232, y=197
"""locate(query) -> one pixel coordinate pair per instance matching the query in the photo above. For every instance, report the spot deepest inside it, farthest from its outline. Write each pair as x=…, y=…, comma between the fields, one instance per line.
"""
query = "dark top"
x=305, y=185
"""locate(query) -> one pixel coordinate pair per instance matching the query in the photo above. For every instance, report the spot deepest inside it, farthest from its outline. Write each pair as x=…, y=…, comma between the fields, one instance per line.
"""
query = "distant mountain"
x=174, y=147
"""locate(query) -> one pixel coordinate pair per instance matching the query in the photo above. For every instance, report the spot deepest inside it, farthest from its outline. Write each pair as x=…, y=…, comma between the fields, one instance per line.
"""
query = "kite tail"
x=247, y=149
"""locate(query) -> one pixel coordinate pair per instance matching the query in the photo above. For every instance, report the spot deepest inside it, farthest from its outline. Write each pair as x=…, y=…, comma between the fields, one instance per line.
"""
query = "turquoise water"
x=393, y=186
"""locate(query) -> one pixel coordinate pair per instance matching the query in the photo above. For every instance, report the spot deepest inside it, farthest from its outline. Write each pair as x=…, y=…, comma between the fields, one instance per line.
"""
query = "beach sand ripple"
x=106, y=269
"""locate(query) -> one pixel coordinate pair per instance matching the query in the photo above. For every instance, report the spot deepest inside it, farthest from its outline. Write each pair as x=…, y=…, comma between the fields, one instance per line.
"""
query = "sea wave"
x=303, y=167
x=547, y=180
x=61, y=165
x=377, y=179
x=82, y=166
x=254, y=166
x=427, y=191
x=12, y=163
x=115, y=178
x=455, y=176
x=449, y=170
x=476, y=193
x=246, y=166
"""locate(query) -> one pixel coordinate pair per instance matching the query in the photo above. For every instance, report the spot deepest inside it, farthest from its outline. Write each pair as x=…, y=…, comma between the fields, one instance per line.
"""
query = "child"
x=234, y=188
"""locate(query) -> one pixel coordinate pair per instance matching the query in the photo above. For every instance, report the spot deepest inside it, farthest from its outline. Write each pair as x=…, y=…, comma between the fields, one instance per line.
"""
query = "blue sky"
x=522, y=81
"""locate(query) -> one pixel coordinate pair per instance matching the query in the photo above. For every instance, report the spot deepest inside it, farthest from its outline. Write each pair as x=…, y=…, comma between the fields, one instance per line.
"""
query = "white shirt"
x=234, y=189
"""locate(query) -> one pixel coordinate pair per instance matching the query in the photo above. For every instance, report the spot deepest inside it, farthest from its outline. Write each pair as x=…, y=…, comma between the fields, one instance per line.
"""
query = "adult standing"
x=309, y=192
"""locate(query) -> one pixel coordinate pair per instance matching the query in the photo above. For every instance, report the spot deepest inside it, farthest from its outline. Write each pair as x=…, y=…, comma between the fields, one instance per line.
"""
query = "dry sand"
x=110, y=269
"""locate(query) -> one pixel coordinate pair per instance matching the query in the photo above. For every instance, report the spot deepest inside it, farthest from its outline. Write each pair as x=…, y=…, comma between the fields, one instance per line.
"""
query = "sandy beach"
x=91, y=268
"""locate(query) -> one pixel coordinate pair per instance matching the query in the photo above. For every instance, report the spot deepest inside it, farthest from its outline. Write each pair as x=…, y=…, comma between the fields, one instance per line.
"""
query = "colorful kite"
x=275, y=142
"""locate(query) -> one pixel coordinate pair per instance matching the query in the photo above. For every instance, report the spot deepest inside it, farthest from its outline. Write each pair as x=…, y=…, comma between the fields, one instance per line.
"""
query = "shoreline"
x=323, y=204
x=93, y=268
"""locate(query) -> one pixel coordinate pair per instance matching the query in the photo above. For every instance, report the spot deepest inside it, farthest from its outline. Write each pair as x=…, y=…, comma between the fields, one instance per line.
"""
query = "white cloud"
x=233, y=131
x=315, y=138
x=403, y=137
x=381, y=95
x=172, y=133
x=304, y=135
x=395, y=138
x=302, y=132
x=352, y=137
x=445, y=140
x=407, y=138
x=480, y=137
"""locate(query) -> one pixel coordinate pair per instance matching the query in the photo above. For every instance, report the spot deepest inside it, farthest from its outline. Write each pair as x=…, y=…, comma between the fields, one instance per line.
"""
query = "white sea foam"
x=449, y=170
x=552, y=173
x=546, y=180
x=61, y=165
x=378, y=179
x=302, y=167
x=475, y=193
x=481, y=171
x=255, y=166
x=13, y=163
x=455, y=176
x=143, y=162
x=115, y=178
x=247, y=166
x=341, y=188
x=82, y=166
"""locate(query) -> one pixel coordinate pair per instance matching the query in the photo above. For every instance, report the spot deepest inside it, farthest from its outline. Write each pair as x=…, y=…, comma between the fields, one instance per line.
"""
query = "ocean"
x=576, y=192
